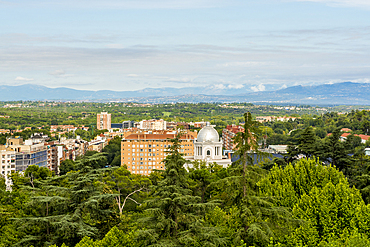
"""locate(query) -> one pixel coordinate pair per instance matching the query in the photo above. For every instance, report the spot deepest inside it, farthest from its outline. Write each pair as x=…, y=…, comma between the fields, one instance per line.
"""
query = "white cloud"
x=132, y=75
x=258, y=88
x=114, y=46
x=219, y=86
x=236, y=86
x=351, y=3
x=58, y=72
x=20, y=78
x=242, y=64
x=136, y=4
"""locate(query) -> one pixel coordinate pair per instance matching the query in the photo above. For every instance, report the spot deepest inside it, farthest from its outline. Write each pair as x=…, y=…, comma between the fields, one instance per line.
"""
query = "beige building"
x=143, y=152
x=153, y=124
x=103, y=121
x=7, y=166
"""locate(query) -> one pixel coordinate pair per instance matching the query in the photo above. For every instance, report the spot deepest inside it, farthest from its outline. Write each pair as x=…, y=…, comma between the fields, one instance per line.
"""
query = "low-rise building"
x=27, y=153
x=152, y=124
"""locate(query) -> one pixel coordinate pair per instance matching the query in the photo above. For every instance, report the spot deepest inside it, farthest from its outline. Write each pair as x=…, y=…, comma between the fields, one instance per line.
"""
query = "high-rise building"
x=143, y=152
x=7, y=166
x=103, y=121
x=228, y=134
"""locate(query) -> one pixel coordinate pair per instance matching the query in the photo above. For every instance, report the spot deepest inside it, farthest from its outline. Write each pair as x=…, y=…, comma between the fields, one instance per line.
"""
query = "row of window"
x=144, y=167
x=143, y=163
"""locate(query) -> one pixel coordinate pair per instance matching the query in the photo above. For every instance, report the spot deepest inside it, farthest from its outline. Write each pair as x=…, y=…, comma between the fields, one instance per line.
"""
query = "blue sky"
x=134, y=44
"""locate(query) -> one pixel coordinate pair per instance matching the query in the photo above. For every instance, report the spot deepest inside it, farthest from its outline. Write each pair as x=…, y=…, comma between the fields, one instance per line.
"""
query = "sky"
x=123, y=45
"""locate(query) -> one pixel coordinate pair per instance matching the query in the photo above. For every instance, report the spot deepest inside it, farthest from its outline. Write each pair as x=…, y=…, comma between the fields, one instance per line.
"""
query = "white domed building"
x=208, y=147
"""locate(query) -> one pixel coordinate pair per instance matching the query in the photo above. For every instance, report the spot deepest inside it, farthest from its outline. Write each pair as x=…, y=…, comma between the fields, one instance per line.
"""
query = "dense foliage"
x=321, y=199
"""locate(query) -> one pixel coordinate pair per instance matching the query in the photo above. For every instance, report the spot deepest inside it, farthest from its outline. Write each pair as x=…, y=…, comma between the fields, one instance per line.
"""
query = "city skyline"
x=131, y=45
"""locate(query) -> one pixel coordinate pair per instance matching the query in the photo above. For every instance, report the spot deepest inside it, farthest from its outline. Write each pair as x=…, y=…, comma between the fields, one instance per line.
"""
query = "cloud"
x=219, y=86
x=132, y=75
x=258, y=88
x=136, y=4
x=350, y=3
x=180, y=80
x=242, y=64
x=20, y=78
x=236, y=86
x=114, y=46
x=58, y=72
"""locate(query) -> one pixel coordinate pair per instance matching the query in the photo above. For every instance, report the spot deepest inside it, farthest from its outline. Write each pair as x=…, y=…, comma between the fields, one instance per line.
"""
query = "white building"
x=208, y=147
x=7, y=166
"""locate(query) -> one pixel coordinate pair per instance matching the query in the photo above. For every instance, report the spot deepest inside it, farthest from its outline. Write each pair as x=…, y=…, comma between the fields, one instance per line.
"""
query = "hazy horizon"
x=131, y=45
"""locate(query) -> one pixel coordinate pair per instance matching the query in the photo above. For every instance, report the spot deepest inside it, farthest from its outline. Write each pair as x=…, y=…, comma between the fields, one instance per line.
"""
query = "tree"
x=247, y=144
x=321, y=197
x=308, y=144
x=335, y=151
x=113, y=151
x=124, y=186
x=201, y=175
x=66, y=208
x=66, y=166
x=174, y=215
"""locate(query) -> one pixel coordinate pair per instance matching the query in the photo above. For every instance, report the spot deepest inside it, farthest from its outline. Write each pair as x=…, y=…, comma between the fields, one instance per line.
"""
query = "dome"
x=208, y=134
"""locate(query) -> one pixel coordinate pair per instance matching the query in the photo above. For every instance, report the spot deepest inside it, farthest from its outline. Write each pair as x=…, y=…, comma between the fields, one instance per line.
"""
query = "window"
x=208, y=153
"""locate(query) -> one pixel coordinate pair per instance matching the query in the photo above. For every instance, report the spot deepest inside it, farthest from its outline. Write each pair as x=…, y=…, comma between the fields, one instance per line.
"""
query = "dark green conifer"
x=175, y=217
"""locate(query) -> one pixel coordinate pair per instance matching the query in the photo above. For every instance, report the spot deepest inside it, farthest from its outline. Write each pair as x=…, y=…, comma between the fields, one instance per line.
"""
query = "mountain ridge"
x=337, y=93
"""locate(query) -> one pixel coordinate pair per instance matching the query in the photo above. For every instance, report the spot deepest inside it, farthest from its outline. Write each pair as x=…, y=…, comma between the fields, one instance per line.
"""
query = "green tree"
x=125, y=186
x=66, y=166
x=321, y=197
x=174, y=215
x=335, y=151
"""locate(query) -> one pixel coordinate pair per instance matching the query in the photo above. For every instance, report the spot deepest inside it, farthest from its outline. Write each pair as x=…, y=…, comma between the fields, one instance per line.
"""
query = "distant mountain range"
x=326, y=94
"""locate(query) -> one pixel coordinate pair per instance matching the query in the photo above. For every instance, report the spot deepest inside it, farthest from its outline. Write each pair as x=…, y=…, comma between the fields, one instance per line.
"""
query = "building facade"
x=103, y=121
x=228, y=135
x=153, y=124
x=7, y=166
x=27, y=153
x=144, y=152
x=208, y=148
